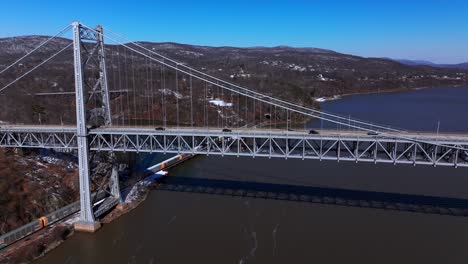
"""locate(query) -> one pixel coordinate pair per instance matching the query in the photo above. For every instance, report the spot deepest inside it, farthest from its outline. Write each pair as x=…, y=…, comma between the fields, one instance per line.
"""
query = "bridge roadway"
x=389, y=147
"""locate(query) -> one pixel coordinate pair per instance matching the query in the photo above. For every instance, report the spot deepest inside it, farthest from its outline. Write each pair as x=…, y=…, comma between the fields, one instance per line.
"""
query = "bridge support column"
x=87, y=222
x=114, y=183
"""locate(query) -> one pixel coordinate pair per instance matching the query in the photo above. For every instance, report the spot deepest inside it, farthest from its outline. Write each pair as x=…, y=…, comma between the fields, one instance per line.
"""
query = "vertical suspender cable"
x=134, y=93
x=270, y=115
x=111, y=66
x=163, y=83
x=152, y=93
x=120, y=84
x=161, y=88
x=148, y=94
x=223, y=105
x=276, y=118
x=204, y=103
x=191, y=100
x=232, y=109
x=238, y=109
x=177, y=94
x=127, y=84
x=246, y=111
x=254, y=114
x=219, y=106
x=207, y=105
x=260, y=114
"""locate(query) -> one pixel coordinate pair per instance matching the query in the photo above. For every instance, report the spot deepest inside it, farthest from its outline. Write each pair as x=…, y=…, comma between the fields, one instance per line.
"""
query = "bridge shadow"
x=318, y=195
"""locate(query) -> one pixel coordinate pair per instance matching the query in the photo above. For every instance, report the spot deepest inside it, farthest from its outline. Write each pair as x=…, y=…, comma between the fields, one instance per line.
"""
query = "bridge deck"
x=396, y=148
x=410, y=135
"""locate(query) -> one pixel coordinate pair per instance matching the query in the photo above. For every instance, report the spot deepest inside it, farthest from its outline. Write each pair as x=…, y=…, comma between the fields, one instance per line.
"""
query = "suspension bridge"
x=127, y=97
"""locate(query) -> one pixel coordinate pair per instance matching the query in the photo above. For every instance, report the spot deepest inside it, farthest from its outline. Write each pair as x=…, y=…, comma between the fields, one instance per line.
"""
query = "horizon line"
x=268, y=47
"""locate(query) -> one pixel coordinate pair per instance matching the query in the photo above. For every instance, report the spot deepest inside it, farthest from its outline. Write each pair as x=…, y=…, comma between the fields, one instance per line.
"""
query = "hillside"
x=315, y=72
x=34, y=184
x=296, y=74
x=463, y=66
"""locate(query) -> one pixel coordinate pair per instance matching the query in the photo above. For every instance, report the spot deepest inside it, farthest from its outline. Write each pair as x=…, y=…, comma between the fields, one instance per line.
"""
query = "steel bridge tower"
x=88, y=53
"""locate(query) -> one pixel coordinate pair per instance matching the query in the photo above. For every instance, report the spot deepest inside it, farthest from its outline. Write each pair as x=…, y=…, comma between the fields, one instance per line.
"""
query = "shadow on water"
x=320, y=195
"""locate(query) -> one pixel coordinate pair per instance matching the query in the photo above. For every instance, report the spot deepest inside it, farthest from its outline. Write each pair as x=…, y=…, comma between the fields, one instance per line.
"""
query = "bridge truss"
x=355, y=147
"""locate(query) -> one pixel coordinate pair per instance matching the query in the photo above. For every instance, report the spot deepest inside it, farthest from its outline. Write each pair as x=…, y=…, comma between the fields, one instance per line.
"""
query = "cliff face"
x=33, y=184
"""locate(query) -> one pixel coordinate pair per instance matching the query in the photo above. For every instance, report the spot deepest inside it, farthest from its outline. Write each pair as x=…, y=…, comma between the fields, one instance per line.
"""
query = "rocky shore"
x=37, y=245
x=40, y=243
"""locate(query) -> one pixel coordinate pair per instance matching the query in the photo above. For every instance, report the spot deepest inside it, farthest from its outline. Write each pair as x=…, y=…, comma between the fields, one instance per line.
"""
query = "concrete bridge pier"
x=87, y=227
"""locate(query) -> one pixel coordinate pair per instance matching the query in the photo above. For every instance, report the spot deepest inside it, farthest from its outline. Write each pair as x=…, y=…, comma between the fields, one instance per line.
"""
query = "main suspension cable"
x=36, y=48
x=249, y=90
x=37, y=66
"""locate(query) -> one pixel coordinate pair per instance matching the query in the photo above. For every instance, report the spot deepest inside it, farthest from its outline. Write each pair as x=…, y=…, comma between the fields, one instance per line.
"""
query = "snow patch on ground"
x=241, y=75
x=191, y=53
x=40, y=164
x=295, y=67
x=221, y=103
x=170, y=92
x=324, y=99
x=73, y=220
x=51, y=160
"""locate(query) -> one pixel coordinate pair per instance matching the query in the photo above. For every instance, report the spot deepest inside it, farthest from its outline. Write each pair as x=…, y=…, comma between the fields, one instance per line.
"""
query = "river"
x=181, y=226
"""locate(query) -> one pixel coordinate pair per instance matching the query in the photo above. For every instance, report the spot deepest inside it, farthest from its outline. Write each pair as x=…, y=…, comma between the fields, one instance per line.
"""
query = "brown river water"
x=184, y=225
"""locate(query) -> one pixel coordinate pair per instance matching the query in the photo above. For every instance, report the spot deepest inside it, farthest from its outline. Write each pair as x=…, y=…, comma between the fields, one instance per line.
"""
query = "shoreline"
x=38, y=244
x=396, y=90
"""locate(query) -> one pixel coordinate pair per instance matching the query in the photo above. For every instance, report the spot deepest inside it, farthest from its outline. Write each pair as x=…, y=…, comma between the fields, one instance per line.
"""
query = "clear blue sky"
x=435, y=30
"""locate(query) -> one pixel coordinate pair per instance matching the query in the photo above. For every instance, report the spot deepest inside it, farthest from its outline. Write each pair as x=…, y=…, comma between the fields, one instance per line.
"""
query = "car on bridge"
x=227, y=130
x=313, y=132
x=160, y=129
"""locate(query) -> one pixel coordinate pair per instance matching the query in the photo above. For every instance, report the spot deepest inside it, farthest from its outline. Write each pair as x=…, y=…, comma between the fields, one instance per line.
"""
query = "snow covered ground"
x=324, y=99
x=221, y=103
x=171, y=92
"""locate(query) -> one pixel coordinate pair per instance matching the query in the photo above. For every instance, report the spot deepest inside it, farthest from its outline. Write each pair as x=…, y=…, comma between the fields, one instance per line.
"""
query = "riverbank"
x=133, y=198
x=397, y=90
x=41, y=242
x=36, y=245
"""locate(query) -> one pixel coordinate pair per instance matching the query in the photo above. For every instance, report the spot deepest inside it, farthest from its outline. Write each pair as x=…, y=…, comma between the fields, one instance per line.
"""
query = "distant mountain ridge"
x=300, y=75
x=428, y=63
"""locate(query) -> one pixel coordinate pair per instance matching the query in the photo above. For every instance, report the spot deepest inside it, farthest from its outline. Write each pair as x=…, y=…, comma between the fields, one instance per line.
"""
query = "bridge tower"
x=88, y=53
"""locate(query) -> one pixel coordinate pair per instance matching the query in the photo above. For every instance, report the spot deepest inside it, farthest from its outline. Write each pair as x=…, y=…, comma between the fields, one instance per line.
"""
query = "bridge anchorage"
x=178, y=109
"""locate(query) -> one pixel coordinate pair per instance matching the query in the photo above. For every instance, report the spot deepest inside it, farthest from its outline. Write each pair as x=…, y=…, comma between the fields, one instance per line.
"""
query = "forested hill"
x=296, y=74
x=308, y=71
